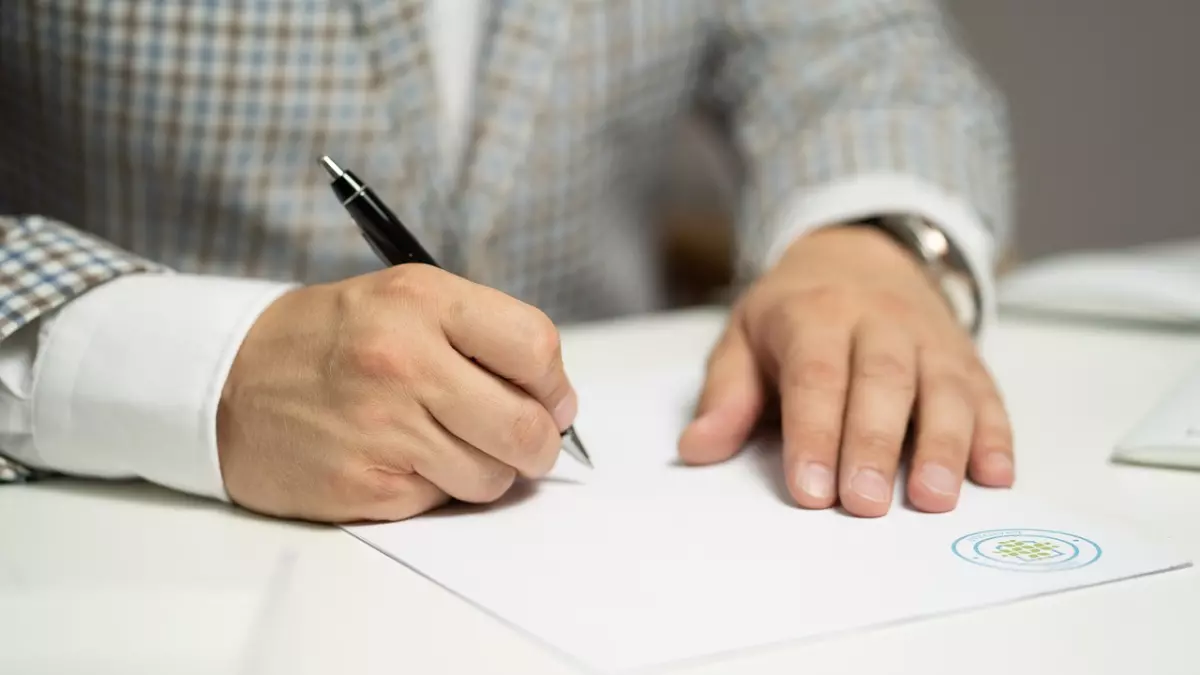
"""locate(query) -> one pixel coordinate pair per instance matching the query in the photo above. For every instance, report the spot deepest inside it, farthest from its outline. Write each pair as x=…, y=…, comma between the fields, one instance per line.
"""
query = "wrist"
x=865, y=198
x=942, y=262
x=862, y=255
x=128, y=382
x=284, y=347
x=851, y=246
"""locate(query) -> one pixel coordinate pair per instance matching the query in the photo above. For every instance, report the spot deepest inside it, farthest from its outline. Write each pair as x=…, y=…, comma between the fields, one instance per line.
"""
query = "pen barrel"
x=378, y=222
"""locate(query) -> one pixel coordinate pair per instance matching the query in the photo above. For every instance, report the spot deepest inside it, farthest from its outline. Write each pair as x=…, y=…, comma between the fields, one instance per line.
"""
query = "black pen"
x=395, y=245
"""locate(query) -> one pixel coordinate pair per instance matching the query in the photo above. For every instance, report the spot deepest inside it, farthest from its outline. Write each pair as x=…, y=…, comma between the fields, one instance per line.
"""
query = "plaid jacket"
x=145, y=135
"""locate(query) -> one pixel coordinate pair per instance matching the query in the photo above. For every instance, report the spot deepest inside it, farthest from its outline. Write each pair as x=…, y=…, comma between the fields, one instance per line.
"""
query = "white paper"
x=642, y=561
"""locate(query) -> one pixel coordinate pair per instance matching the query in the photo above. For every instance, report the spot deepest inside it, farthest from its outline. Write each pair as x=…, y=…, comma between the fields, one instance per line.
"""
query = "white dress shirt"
x=124, y=381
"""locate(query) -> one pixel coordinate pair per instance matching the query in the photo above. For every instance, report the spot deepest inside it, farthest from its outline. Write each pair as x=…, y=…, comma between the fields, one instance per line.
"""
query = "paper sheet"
x=643, y=562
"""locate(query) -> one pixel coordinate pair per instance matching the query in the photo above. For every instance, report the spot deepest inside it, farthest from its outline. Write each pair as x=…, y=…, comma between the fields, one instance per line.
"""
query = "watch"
x=942, y=260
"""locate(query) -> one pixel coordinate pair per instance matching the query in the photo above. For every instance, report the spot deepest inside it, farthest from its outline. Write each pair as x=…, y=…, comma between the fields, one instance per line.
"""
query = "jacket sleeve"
x=112, y=366
x=845, y=107
x=45, y=264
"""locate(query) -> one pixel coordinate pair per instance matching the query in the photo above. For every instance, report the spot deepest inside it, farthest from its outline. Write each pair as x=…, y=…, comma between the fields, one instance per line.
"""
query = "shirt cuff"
x=871, y=195
x=130, y=374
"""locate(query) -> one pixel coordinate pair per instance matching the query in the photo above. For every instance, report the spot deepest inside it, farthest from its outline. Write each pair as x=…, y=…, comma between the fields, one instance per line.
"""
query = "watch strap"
x=943, y=262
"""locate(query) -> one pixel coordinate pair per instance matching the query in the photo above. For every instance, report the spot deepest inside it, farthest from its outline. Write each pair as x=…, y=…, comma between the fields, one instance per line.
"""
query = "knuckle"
x=545, y=345
x=545, y=456
x=378, y=358
x=944, y=443
x=406, y=282
x=936, y=360
x=349, y=297
x=994, y=438
x=887, y=367
x=457, y=310
x=950, y=382
x=876, y=442
x=356, y=482
x=369, y=417
x=817, y=440
x=343, y=482
x=818, y=374
x=383, y=486
x=942, y=371
x=783, y=314
x=824, y=298
x=893, y=305
x=528, y=430
x=370, y=356
x=492, y=483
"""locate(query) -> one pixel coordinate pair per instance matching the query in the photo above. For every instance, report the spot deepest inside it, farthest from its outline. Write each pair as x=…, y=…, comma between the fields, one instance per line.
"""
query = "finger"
x=730, y=402
x=402, y=496
x=945, y=424
x=991, y=455
x=377, y=489
x=515, y=341
x=882, y=390
x=813, y=372
x=460, y=470
x=492, y=415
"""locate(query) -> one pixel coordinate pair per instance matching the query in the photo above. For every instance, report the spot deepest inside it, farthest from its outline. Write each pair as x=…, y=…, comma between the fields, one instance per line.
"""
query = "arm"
x=848, y=110
x=111, y=365
x=339, y=402
x=851, y=109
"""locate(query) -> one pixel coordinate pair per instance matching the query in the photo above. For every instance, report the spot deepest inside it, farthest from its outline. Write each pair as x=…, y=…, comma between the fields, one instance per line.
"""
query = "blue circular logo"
x=1027, y=550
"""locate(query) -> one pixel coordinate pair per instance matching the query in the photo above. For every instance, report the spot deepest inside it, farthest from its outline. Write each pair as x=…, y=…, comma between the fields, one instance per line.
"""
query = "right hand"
x=383, y=396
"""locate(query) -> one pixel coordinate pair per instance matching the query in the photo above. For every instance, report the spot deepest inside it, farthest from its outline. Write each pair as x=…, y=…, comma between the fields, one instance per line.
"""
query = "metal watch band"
x=944, y=263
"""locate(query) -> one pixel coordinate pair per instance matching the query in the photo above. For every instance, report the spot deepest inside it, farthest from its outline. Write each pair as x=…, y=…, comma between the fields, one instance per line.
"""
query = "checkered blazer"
x=154, y=135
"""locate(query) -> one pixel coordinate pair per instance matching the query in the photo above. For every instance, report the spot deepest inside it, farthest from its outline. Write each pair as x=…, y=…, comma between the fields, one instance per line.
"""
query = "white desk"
x=128, y=578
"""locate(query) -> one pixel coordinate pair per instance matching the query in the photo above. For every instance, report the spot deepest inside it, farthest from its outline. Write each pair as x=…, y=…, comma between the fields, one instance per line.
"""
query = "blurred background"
x=1105, y=108
x=1104, y=100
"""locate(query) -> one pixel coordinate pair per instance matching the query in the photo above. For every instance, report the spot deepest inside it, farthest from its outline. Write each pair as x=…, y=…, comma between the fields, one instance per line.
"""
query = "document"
x=642, y=561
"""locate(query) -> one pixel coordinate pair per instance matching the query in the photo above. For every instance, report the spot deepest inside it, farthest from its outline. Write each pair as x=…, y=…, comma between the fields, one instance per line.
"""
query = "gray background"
x=1105, y=108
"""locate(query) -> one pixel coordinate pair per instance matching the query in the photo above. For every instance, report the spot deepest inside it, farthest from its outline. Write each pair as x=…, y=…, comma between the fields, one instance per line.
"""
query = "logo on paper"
x=1027, y=550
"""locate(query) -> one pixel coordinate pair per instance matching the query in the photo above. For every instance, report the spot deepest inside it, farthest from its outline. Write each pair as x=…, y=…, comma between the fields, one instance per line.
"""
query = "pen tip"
x=575, y=448
x=331, y=167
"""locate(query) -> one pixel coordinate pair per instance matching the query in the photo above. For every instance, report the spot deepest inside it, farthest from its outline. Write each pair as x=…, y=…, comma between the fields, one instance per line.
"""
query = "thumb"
x=729, y=405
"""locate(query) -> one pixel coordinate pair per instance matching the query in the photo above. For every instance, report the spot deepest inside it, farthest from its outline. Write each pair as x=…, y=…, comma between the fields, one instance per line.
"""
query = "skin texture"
x=383, y=396
x=853, y=343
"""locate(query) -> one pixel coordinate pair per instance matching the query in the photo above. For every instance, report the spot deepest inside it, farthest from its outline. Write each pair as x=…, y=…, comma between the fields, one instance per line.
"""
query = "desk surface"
x=105, y=578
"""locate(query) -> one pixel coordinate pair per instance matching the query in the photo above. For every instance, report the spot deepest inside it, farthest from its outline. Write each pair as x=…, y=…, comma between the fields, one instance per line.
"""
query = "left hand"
x=855, y=342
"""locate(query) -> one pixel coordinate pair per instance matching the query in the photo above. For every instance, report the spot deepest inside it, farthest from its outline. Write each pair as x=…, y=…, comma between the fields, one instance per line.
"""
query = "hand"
x=855, y=342
x=357, y=400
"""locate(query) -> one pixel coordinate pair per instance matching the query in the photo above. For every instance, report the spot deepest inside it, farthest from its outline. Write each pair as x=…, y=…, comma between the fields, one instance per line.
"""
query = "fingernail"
x=564, y=412
x=871, y=485
x=938, y=479
x=998, y=463
x=816, y=481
